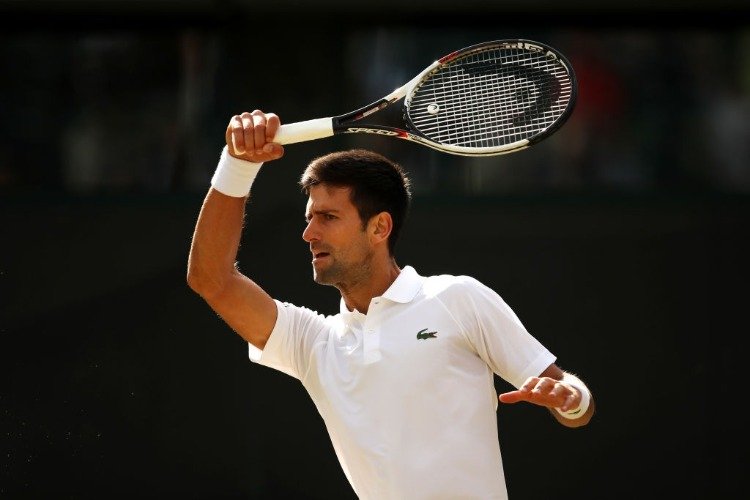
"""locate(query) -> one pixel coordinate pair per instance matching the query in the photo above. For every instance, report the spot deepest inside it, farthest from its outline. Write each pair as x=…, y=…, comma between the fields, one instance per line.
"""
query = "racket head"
x=491, y=98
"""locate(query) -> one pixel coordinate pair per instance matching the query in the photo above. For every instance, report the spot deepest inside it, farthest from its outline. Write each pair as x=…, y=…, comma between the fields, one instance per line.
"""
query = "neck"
x=358, y=295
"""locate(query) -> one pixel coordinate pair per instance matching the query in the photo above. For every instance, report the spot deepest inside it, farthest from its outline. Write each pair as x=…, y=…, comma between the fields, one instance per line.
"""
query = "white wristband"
x=233, y=177
x=571, y=379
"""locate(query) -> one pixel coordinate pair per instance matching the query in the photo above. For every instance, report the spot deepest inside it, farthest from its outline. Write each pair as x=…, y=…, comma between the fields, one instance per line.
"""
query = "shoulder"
x=449, y=285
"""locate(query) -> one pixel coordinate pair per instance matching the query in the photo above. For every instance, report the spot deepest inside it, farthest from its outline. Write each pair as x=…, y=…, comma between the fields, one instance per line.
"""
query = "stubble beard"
x=342, y=275
x=328, y=276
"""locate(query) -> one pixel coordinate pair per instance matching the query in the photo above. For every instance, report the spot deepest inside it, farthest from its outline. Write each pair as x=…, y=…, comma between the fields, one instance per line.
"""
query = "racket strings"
x=491, y=98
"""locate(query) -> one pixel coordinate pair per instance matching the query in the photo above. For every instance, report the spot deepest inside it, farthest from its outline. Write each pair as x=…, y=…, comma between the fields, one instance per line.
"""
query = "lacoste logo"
x=424, y=334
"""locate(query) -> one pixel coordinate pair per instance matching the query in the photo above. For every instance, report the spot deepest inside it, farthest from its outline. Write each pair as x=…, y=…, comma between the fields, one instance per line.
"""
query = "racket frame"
x=347, y=123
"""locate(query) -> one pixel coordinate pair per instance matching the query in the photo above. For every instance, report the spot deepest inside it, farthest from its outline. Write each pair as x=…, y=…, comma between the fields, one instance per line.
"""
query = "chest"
x=398, y=343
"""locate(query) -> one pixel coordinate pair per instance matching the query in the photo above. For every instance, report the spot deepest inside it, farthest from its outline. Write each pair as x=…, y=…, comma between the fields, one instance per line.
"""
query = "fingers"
x=228, y=137
x=512, y=397
x=255, y=133
x=571, y=397
x=272, y=126
x=543, y=387
x=249, y=136
x=544, y=391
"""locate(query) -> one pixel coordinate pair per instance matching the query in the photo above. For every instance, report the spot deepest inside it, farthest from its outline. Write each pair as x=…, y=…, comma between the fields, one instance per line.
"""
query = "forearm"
x=219, y=229
x=215, y=243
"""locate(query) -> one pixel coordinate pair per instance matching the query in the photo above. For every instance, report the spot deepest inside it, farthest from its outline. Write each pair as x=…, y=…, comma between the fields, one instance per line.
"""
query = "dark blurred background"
x=620, y=241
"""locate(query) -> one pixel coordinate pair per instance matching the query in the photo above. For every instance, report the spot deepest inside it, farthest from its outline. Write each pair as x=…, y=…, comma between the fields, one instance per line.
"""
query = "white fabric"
x=411, y=418
x=233, y=177
x=580, y=410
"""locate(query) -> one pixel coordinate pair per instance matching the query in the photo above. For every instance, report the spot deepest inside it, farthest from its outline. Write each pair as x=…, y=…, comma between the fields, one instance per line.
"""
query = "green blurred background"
x=620, y=241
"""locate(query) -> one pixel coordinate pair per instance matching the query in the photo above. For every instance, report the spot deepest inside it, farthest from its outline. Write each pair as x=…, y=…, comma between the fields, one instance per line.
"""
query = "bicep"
x=246, y=308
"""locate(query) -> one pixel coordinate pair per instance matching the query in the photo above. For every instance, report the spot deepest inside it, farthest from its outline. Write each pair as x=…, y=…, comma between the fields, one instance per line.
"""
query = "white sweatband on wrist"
x=571, y=379
x=233, y=177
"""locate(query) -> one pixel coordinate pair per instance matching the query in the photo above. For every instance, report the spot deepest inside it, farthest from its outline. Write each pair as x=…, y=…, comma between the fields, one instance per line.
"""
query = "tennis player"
x=403, y=374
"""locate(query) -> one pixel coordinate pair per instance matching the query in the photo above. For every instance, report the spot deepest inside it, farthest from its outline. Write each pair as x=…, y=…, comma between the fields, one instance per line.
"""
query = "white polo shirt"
x=407, y=391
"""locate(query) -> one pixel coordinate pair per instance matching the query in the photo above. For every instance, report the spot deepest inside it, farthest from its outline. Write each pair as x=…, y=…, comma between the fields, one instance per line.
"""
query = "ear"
x=380, y=227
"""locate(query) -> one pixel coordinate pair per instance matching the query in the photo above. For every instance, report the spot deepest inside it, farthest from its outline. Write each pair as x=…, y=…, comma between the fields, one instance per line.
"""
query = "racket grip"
x=304, y=131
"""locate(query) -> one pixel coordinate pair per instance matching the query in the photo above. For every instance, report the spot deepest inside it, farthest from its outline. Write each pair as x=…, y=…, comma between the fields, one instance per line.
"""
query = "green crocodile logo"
x=424, y=334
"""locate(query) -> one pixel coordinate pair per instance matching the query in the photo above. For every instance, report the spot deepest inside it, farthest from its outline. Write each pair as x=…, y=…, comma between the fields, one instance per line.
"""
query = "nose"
x=309, y=234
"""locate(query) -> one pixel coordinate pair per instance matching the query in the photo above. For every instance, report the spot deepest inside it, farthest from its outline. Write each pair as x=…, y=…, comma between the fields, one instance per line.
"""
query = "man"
x=403, y=375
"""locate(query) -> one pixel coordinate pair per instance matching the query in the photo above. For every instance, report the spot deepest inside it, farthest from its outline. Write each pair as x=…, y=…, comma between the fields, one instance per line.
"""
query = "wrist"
x=233, y=177
x=578, y=412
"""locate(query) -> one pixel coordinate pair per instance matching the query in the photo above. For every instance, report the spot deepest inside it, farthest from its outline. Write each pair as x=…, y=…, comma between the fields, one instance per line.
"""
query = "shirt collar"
x=405, y=288
x=402, y=290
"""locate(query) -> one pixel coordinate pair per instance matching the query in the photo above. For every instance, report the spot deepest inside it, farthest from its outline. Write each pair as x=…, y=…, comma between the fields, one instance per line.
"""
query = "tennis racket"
x=486, y=99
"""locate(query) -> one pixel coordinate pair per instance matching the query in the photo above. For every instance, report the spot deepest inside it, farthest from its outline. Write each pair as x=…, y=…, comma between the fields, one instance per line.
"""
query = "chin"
x=322, y=277
x=317, y=277
x=320, y=280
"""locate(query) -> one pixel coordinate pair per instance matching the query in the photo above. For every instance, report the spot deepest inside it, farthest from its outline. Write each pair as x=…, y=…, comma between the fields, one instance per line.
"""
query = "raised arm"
x=212, y=270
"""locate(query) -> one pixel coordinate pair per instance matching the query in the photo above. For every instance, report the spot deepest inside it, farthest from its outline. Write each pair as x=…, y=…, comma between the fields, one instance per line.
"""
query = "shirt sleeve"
x=292, y=340
x=498, y=336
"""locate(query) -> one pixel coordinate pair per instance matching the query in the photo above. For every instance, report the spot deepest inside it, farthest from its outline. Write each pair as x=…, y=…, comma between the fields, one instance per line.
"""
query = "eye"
x=329, y=216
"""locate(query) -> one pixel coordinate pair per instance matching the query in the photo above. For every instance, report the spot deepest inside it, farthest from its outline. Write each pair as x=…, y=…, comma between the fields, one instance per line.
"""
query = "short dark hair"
x=377, y=184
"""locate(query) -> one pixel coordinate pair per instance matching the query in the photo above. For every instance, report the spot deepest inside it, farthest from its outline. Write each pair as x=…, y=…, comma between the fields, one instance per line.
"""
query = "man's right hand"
x=249, y=136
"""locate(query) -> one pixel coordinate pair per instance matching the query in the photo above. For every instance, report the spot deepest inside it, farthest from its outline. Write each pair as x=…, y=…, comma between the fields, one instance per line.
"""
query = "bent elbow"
x=203, y=285
x=193, y=282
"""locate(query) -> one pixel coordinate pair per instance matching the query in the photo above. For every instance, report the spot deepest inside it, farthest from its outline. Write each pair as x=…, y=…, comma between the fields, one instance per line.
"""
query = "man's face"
x=340, y=246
